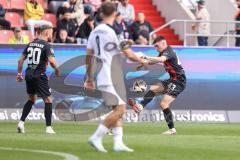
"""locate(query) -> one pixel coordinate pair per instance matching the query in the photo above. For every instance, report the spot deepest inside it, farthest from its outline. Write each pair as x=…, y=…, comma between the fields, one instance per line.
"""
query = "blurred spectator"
x=67, y=23
x=115, y=1
x=4, y=24
x=127, y=11
x=55, y=0
x=88, y=11
x=33, y=13
x=62, y=37
x=94, y=4
x=121, y=28
x=18, y=37
x=54, y=5
x=203, y=28
x=62, y=8
x=77, y=10
x=97, y=17
x=141, y=30
x=86, y=28
x=237, y=18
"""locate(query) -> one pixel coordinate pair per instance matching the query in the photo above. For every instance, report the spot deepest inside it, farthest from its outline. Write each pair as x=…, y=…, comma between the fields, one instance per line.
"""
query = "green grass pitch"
x=194, y=141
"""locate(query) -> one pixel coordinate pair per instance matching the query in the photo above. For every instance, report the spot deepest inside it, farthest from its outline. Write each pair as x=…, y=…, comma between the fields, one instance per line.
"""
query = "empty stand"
x=14, y=18
x=17, y=4
x=51, y=18
x=5, y=4
x=5, y=35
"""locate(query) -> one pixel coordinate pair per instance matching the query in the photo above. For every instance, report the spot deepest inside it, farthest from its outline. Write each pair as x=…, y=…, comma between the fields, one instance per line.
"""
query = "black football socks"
x=168, y=117
x=48, y=113
x=148, y=98
x=26, y=110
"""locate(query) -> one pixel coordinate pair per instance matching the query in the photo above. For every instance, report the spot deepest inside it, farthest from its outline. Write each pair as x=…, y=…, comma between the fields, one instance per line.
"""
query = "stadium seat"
x=5, y=35
x=28, y=33
x=14, y=18
x=5, y=4
x=43, y=3
x=18, y=4
x=51, y=18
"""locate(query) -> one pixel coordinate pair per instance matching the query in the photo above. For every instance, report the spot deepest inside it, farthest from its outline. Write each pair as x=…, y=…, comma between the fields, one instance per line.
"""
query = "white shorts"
x=114, y=98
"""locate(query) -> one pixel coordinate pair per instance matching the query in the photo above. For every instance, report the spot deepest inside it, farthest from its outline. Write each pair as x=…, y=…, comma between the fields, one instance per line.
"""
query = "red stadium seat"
x=18, y=4
x=28, y=33
x=14, y=18
x=51, y=18
x=5, y=35
x=5, y=4
x=43, y=3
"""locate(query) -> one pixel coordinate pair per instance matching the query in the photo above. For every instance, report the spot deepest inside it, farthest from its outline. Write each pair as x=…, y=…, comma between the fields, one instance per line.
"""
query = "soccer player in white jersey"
x=104, y=44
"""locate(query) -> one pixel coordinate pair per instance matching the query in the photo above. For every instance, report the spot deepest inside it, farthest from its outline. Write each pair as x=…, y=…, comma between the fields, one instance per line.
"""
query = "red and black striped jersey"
x=172, y=65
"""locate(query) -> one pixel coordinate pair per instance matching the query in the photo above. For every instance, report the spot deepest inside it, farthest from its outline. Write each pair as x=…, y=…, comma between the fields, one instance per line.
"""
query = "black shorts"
x=38, y=85
x=174, y=87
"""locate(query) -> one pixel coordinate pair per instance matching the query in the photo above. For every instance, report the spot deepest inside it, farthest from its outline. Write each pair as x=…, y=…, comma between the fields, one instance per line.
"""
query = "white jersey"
x=105, y=44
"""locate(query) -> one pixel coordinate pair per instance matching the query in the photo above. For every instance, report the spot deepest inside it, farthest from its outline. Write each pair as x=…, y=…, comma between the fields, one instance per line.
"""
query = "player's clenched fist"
x=19, y=77
x=137, y=107
x=126, y=44
x=89, y=85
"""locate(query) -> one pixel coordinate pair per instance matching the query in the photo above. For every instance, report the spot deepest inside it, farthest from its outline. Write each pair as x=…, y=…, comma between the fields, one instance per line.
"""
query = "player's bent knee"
x=47, y=99
x=120, y=110
x=32, y=98
x=164, y=104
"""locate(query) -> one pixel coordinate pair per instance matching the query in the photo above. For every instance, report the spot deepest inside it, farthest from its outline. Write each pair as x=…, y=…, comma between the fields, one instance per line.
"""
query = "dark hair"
x=2, y=11
x=90, y=18
x=201, y=2
x=158, y=39
x=67, y=10
x=62, y=29
x=107, y=9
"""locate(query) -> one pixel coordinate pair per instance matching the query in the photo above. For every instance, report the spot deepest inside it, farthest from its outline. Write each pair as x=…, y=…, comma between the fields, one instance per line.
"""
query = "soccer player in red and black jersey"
x=170, y=88
x=38, y=54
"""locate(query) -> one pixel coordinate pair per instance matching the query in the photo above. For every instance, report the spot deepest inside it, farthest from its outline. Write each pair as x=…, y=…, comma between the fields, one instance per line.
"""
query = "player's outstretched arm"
x=130, y=55
x=150, y=62
x=54, y=65
x=154, y=60
x=21, y=60
x=125, y=47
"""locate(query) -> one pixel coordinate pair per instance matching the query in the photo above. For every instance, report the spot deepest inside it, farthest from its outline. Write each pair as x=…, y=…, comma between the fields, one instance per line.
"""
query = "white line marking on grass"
x=66, y=156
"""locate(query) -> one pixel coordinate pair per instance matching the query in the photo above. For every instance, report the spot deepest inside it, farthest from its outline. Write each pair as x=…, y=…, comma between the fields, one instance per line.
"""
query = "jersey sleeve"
x=50, y=51
x=90, y=41
x=167, y=54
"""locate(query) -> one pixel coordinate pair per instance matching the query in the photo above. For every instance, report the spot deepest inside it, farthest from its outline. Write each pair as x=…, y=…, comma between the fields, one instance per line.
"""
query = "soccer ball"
x=139, y=86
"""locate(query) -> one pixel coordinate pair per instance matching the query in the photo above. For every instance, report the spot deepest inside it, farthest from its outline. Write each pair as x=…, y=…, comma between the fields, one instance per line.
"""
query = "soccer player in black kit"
x=170, y=88
x=38, y=54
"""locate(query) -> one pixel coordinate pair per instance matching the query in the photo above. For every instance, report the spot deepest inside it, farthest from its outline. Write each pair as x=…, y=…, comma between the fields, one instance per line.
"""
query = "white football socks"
x=118, y=135
x=100, y=132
